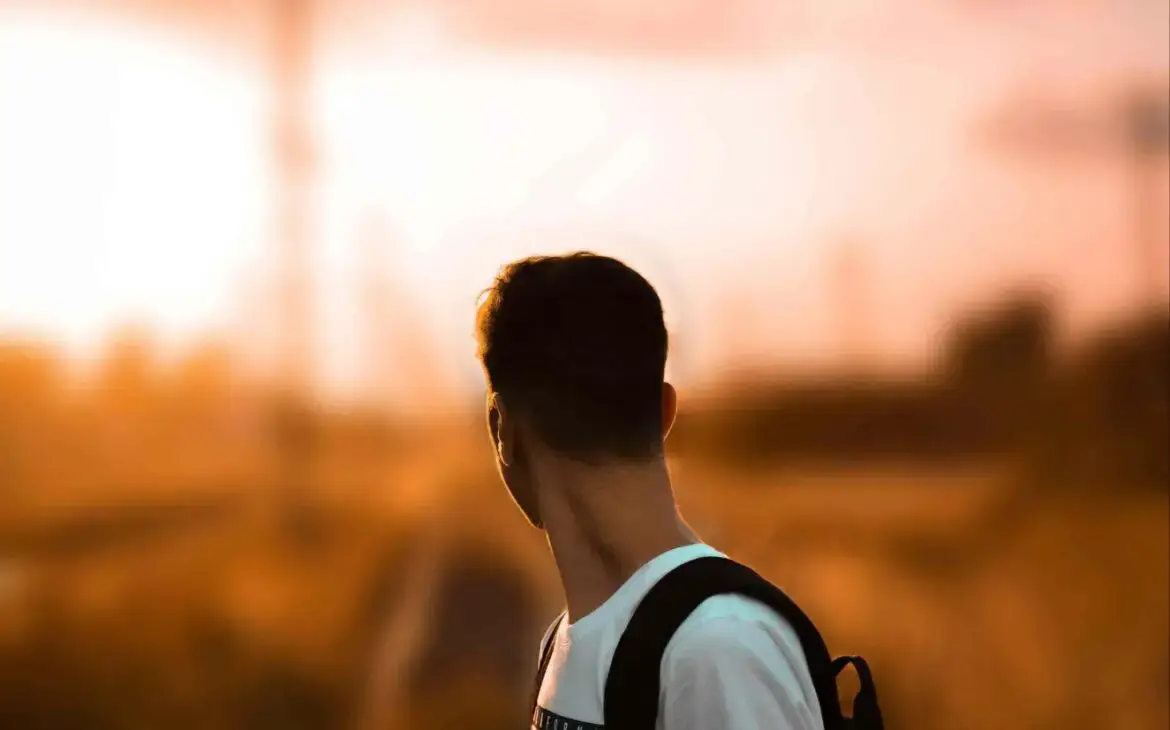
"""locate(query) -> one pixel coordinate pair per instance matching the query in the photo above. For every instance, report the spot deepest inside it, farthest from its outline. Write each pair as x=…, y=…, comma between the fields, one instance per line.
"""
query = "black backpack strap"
x=633, y=684
x=546, y=651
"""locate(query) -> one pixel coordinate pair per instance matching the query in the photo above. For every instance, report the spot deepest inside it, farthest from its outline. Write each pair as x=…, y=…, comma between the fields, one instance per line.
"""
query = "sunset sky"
x=734, y=159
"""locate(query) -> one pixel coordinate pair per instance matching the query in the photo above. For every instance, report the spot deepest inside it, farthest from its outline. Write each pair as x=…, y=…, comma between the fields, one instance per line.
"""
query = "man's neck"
x=604, y=523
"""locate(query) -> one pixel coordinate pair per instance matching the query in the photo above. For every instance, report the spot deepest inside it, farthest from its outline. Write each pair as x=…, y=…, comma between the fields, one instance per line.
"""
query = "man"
x=574, y=349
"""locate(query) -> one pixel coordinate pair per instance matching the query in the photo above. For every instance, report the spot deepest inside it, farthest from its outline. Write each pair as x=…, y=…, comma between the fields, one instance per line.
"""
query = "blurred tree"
x=1005, y=350
x=1000, y=368
x=31, y=387
x=1122, y=378
x=206, y=373
x=125, y=378
x=30, y=376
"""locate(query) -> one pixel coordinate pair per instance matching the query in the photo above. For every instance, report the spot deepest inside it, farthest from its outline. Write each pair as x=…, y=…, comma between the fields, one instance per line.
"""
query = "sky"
x=736, y=159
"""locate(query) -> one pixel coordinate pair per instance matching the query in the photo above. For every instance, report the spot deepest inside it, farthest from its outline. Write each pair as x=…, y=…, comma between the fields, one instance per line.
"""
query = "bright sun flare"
x=135, y=179
x=132, y=180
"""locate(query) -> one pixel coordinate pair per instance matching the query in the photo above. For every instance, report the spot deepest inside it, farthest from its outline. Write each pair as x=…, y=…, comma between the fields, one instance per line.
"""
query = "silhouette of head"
x=574, y=350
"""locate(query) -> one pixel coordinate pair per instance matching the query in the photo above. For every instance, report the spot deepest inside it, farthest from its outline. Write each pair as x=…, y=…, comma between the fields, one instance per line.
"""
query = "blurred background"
x=914, y=260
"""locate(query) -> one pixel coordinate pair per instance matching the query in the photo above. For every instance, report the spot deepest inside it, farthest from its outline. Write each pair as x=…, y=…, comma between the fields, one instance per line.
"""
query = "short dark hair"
x=577, y=343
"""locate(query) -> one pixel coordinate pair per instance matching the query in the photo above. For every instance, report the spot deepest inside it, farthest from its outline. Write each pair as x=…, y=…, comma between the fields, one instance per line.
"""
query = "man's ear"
x=502, y=428
x=669, y=408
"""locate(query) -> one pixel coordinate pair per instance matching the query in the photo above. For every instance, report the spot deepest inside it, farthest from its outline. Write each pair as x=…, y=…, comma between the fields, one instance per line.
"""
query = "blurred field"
x=1052, y=617
x=404, y=590
x=995, y=613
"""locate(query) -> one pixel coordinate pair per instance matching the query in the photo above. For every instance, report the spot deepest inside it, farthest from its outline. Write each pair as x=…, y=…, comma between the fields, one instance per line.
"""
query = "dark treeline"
x=1003, y=386
x=1097, y=411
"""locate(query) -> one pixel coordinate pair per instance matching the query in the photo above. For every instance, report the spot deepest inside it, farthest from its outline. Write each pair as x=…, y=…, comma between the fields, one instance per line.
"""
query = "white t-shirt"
x=734, y=664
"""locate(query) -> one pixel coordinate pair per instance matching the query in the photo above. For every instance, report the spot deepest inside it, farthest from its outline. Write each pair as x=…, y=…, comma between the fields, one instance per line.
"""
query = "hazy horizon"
x=737, y=182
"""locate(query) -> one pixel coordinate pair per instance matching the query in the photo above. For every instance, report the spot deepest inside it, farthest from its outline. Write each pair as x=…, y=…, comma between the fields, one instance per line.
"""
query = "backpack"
x=632, y=686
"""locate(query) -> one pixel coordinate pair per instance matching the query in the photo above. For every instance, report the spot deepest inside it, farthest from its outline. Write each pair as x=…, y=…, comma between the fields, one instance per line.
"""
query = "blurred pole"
x=849, y=283
x=293, y=26
x=1147, y=136
x=374, y=271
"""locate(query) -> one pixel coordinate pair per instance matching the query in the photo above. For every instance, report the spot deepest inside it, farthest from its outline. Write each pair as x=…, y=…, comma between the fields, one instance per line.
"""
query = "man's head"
x=574, y=349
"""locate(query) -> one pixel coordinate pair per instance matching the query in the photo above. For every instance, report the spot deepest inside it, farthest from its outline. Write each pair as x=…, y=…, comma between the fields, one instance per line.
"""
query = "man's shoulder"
x=736, y=628
x=737, y=663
